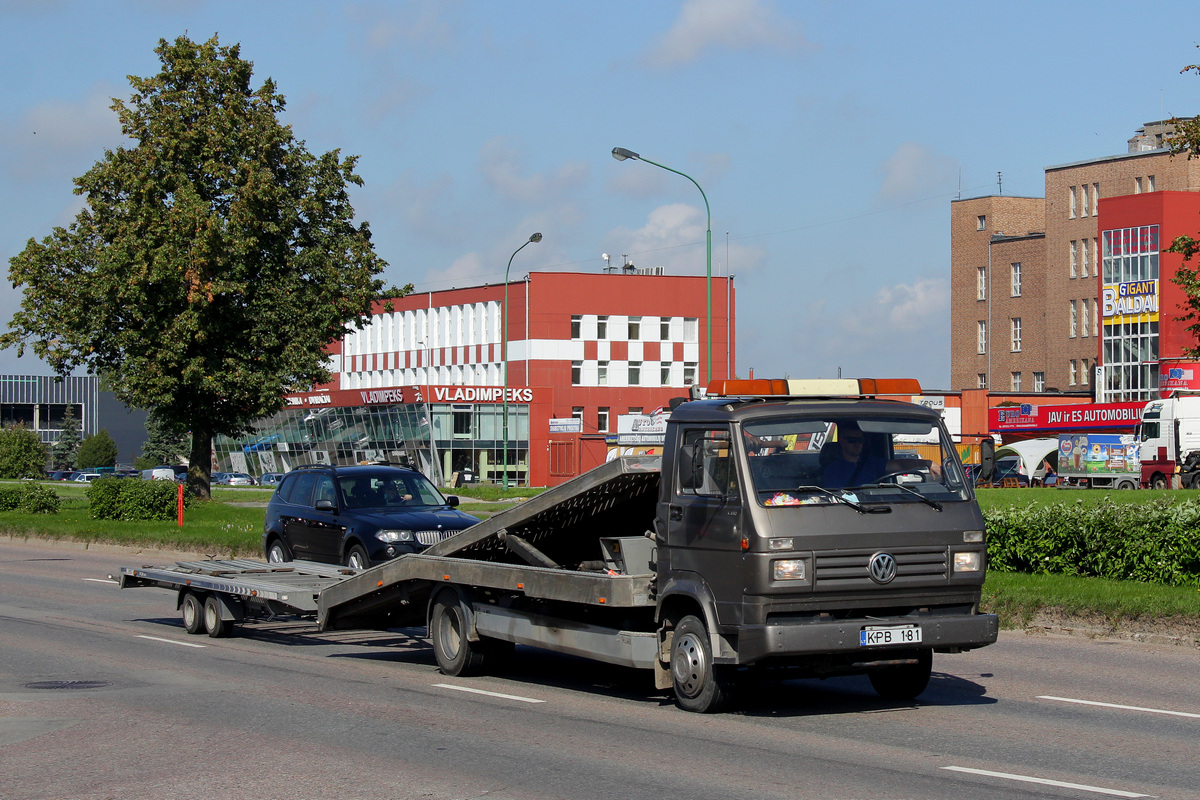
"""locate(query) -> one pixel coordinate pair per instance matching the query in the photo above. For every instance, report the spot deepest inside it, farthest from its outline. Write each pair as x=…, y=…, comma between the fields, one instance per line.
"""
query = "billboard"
x=1092, y=453
x=1030, y=417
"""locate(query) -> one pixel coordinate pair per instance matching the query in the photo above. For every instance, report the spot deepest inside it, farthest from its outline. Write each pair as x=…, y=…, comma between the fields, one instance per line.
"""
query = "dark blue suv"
x=357, y=516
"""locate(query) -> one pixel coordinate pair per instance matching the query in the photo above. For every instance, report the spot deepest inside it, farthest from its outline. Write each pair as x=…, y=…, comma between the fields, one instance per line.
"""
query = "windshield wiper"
x=859, y=507
x=926, y=500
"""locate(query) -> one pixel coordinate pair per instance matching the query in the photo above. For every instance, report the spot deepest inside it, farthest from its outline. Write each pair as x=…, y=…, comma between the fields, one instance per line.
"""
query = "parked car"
x=239, y=479
x=87, y=477
x=270, y=478
x=219, y=478
x=357, y=516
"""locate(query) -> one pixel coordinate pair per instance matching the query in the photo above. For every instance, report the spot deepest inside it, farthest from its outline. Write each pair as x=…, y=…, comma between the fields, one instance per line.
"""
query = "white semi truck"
x=1169, y=437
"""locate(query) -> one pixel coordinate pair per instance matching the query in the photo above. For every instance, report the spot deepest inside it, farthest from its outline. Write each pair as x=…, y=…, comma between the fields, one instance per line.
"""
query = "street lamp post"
x=537, y=237
x=620, y=154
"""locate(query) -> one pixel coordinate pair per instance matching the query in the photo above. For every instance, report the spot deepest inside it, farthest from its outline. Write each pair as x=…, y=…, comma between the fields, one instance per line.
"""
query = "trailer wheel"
x=217, y=628
x=700, y=685
x=449, y=622
x=192, y=611
x=903, y=683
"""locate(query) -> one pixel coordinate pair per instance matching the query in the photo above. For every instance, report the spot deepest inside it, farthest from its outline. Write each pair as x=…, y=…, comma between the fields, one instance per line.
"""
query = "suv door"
x=298, y=496
x=325, y=533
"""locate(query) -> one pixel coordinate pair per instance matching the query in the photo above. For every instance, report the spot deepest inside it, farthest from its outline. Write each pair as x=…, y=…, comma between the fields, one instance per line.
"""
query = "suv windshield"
x=389, y=490
x=807, y=460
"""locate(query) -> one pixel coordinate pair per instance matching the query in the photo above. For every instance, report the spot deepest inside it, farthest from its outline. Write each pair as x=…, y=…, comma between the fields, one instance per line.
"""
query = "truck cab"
x=1169, y=436
x=808, y=526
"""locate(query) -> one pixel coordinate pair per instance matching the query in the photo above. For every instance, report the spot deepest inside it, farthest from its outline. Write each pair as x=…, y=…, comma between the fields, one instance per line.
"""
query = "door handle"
x=676, y=513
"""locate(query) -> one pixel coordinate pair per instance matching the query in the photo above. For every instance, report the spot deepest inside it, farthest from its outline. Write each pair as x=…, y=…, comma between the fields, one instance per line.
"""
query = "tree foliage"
x=165, y=443
x=64, y=451
x=98, y=450
x=213, y=261
x=22, y=454
x=1186, y=140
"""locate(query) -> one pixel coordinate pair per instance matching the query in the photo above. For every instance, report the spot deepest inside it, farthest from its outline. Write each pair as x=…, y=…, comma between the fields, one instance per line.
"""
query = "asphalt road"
x=283, y=711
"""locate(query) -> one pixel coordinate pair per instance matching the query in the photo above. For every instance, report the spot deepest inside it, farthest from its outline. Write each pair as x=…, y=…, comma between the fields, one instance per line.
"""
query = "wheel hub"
x=688, y=665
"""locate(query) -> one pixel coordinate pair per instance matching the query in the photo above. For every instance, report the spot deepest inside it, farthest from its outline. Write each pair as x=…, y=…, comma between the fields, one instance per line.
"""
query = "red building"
x=583, y=350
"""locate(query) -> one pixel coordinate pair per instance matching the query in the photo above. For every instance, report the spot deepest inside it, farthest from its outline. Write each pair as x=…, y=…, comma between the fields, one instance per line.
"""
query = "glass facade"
x=1130, y=309
x=466, y=437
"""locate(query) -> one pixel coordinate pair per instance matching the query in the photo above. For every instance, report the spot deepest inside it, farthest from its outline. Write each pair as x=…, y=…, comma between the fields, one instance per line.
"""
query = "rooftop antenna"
x=1000, y=181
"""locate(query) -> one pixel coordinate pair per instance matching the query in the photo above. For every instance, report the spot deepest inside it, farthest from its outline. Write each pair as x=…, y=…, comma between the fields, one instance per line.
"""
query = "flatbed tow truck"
x=744, y=550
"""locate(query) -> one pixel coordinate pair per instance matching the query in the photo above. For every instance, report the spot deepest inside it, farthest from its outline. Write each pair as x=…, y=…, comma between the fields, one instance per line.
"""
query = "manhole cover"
x=67, y=685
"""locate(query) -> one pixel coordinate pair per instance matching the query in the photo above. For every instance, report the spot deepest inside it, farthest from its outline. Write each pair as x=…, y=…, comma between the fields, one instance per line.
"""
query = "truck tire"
x=217, y=628
x=1126, y=485
x=700, y=685
x=1158, y=482
x=449, y=621
x=906, y=682
x=192, y=611
x=278, y=552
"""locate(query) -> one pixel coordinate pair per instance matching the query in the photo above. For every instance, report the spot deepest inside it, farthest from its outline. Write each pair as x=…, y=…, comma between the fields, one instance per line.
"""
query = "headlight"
x=788, y=569
x=966, y=562
x=395, y=536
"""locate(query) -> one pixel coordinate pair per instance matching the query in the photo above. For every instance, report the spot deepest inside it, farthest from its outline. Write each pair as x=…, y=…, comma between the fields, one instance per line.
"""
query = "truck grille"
x=433, y=537
x=847, y=569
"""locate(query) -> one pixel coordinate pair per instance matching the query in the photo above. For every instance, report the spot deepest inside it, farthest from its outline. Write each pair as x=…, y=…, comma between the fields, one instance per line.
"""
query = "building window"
x=981, y=338
x=689, y=373
x=1074, y=259
x=602, y=419
x=691, y=329
x=1084, y=258
x=602, y=373
x=635, y=373
x=1016, y=334
x=1016, y=279
x=1095, y=260
x=981, y=222
x=1130, y=254
x=1071, y=211
x=981, y=380
x=1074, y=318
x=576, y=325
x=462, y=417
x=1073, y=372
x=1083, y=372
x=1014, y=381
x=635, y=410
x=635, y=329
x=1150, y=183
x=1039, y=381
x=1137, y=185
x=601, y=327
x=981, y=284
x=577, y=413
x=664, y=375
x=1083, y=318
x=1083, y=205
x=1130, y=354
x=664, y=330
x=1095, y=199
x=1095, y=315
x=576, y=373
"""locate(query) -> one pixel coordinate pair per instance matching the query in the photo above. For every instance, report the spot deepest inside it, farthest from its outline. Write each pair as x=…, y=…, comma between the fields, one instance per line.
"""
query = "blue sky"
x=830, y=138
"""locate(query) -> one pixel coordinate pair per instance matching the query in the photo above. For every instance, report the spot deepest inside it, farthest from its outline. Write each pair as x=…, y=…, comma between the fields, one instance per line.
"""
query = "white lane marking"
x=1114, y=705
x=170, y=641
x=1046, y=782
x=101, y=580
x=489, y=694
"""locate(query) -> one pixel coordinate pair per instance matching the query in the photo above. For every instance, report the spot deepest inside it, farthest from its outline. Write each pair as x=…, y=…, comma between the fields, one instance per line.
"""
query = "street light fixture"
x=621, y=154
x=537, y=237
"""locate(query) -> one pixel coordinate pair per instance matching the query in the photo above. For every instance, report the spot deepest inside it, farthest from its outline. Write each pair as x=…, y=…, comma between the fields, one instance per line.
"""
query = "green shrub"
x=39, y=499
x=1154, y=542
x=129, y=499
x=10, y=498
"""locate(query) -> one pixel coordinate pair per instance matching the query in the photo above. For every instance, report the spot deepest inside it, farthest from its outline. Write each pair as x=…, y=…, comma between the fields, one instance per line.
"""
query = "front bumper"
x=798, y=640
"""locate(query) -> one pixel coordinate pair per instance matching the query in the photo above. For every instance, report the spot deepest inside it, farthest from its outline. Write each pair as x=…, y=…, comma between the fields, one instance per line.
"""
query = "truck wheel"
x=356, y=558
x=457, y=656
x=1158, y=482
x=700, y=685
x=217, y=628
x=1126, y=485
x=903, y=683
x=192, y=611
x=278, y=552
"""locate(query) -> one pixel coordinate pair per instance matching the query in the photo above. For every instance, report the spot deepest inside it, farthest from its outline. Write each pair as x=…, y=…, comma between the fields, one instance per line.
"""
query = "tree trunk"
x=200, y=465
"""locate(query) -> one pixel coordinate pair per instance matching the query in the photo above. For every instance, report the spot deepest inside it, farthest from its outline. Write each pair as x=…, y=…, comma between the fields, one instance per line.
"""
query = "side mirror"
x=690, y=466
x=326, y=505
x=452, y=501
x=987, y=460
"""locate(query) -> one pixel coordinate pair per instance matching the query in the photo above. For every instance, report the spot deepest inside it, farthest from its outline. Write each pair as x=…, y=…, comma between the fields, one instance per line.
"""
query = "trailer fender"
x=231, y=609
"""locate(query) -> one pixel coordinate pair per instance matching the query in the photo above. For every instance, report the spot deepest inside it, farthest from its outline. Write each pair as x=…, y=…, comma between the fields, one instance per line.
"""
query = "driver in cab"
x=855, y=466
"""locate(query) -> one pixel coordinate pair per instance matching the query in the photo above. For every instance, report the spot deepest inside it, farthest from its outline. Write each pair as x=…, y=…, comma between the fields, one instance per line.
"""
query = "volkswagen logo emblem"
x=882, y=567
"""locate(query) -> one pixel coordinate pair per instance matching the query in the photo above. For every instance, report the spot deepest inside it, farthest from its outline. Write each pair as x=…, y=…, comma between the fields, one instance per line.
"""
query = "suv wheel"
x=356, y=558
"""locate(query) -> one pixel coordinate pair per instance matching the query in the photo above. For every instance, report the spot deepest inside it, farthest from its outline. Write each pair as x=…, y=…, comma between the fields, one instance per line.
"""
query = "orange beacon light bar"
x=819, y=387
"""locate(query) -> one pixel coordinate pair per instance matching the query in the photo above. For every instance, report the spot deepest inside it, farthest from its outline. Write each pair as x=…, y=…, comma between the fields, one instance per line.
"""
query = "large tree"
x=1186, y=140
x=214, y=260
x=98, y=450
x=64, y=452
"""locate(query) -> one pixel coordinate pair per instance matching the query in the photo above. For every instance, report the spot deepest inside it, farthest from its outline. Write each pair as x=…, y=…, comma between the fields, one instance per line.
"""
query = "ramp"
x=550, y=542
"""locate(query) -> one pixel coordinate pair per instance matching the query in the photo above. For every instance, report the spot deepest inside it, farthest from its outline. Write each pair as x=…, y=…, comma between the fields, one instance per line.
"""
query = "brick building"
x=424, y=381
x=1045, y=291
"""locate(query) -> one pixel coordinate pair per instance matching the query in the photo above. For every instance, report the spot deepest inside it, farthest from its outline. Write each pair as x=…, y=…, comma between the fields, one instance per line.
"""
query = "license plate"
x=873, y=636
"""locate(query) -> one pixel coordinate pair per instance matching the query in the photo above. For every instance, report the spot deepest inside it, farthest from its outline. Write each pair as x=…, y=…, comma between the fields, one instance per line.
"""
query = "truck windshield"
x=865, y=459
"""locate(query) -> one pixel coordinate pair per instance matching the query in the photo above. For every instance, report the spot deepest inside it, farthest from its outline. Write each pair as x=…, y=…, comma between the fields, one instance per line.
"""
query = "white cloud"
x=674, y=237
x=914, y=170
x=502, y=166
x=727, y=24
